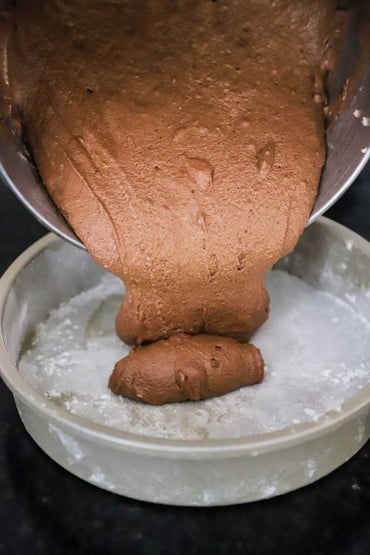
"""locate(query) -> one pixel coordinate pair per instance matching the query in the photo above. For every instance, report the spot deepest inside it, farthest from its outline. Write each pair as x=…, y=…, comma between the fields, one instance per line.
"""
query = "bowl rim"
x=219, y=448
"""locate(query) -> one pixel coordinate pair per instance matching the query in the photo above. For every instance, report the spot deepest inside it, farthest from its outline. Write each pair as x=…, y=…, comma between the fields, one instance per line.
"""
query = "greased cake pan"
x=182, y=472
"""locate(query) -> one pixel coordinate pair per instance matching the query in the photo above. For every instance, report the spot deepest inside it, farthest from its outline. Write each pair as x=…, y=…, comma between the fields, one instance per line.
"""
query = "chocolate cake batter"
x=183, y=140
x=185, y=368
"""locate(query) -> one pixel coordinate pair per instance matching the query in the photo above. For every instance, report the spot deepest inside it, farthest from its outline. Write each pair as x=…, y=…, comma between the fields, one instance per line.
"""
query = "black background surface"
x=46, y=511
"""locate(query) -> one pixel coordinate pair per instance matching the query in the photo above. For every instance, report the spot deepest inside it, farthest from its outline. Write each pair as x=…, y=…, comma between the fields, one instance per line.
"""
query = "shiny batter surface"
x=183, y=141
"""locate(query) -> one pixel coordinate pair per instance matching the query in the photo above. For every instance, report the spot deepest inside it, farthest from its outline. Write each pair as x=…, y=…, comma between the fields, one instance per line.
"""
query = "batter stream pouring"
x=184, y=143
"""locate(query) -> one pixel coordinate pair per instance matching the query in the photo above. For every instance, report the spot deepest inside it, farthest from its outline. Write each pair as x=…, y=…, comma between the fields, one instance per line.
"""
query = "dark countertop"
x=44, y=510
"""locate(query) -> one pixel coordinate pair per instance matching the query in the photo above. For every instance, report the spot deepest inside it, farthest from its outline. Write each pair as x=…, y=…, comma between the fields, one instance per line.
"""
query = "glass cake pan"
x=192, y=472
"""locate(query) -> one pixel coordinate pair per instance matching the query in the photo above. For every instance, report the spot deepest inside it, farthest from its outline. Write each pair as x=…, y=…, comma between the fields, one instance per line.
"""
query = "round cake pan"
x=206, y=472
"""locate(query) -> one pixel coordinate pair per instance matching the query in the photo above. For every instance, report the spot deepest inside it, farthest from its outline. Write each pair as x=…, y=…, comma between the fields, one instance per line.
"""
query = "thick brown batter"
x=183, y=140
x=185, y=368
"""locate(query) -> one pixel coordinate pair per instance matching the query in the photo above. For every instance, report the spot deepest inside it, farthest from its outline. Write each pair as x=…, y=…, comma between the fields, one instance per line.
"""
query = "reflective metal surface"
x=20, y=175
x=348, y=137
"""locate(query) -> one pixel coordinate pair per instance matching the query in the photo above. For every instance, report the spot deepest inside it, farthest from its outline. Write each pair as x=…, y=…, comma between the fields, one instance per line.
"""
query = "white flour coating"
x=316, y=349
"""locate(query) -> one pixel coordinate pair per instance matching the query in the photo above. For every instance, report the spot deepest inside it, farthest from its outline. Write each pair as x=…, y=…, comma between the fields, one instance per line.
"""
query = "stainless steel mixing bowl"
x=347, y=140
